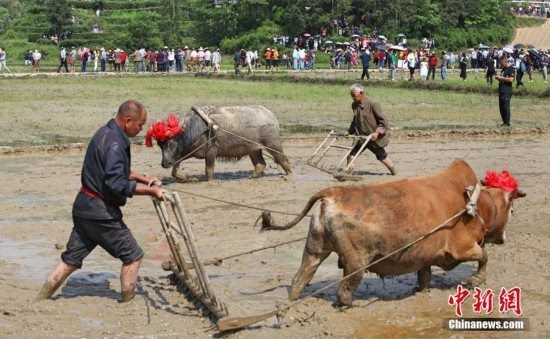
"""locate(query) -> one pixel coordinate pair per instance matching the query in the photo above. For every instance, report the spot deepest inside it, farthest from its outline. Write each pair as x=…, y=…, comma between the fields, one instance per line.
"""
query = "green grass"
x=529, y=22
x=57, y=110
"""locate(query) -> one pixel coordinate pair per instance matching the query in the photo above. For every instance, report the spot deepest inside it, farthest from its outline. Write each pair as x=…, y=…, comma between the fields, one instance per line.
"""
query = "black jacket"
x=106, y=172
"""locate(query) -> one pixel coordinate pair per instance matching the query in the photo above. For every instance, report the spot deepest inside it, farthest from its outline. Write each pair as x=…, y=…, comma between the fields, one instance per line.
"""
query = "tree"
x=59, y=14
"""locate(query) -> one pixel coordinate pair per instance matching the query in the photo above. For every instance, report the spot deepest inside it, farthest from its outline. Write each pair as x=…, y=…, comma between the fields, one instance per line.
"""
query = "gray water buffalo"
x=364, y=223
x=255, y=123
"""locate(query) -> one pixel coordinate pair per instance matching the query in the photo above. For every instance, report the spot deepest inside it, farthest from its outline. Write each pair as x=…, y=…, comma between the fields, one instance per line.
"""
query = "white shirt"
x=249, y=57
x=37, y=56
x=207, y=55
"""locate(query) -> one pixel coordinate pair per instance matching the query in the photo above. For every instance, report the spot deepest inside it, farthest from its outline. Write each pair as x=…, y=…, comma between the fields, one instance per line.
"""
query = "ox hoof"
x=180, y=178
x=422, y=289
x=475, y=281
x=345, y=299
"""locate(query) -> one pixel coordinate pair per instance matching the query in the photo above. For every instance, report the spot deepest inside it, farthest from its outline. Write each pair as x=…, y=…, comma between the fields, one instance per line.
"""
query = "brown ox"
x=366, y=222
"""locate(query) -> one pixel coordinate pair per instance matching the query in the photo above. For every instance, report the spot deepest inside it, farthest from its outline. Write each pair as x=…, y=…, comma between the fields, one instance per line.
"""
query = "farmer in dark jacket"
x=107, y=183
x=368, y=119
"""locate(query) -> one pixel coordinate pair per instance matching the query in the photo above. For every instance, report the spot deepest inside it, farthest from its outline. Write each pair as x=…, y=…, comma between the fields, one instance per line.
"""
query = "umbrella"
x=398, y=48
x=401, y=35
x=381, y=47
x=317, y=36
x=307, y=35
x=356, y=36
x=382, y=37
x=534, y=54
x=346, y=43
x=519, y=46
x=484, y=47
x=531, y=46
x=338, y=43
x=328, y=42
x=508, y=49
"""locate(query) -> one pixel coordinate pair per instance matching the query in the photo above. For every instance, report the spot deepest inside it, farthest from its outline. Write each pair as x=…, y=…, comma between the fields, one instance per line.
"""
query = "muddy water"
x=38, y=192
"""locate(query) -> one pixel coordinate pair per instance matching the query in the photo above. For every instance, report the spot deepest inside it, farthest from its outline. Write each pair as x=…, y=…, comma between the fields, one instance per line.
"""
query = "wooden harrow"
x=195, y=285
x=339, y=171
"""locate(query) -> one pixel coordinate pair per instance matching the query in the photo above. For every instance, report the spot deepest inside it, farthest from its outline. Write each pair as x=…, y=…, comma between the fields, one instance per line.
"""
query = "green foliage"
x=255, y=39
x=59, y=15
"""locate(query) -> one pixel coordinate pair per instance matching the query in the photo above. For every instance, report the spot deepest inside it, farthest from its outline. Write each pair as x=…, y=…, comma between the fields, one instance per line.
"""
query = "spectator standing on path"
x=237, y=60
x=117, y=60
x=432, y=64
x=365, y=62
x=102, y=58
x=312, y=59
x=491, y=70
x=124, y=60
x=107, y=183
x=84, y=59
x=28, y=58
x=392, y=64
x=274, y=59
x=444, y=64
x=452, y=60
x=267, y=56
x=137, y=61
x=424, y=69
x=463, y=64
x=171, y=60
x=36, y=57
x=521, y=67
x=217, y=60
x=248, y=61
x=505, y=90
x=207, y=58
x=302, y=54
x=3, y=60
x=72, y=59
x=95, y=58
x=63, y=60
x=412, y=63
x=295, y=58
x=474, y=59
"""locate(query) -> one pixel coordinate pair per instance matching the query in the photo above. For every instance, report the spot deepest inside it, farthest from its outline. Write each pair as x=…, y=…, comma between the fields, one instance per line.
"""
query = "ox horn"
x=483, y=182
x=521, y=194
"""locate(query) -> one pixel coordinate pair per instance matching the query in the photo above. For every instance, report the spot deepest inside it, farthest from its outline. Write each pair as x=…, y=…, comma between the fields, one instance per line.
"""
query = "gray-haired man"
x=368, y=119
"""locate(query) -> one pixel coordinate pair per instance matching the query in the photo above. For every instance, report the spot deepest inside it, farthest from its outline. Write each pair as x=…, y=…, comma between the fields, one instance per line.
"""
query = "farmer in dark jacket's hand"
x=368, y=119
x=107, y=182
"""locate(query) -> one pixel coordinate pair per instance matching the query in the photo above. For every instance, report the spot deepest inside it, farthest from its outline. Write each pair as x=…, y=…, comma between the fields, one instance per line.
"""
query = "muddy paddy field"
x=39, y=187
x=38, y=191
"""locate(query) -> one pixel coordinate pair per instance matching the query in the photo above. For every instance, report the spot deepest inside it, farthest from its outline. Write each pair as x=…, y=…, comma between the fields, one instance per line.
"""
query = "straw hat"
x=200, y=49
x=117, y=50
x=165, y=47
x=206, y=48
x=102, y=49
x=268, y=49
x=186, y=47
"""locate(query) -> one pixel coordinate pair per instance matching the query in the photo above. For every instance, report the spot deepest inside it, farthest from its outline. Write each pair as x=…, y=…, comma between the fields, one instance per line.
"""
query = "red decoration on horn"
x=503, y=180
x=161, y=131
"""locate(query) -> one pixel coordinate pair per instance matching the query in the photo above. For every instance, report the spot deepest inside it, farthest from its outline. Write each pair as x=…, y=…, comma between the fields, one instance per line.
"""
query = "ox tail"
x=268, y=223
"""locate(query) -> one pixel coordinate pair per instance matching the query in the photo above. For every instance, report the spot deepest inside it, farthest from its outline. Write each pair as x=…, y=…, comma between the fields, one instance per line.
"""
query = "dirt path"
x=538, y=36
x=38, y=191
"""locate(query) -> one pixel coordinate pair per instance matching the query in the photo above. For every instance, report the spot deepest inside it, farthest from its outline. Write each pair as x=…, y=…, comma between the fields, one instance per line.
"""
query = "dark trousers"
x=365, y=73
x=520, y=76
x=432, y=72
x=63, y=64
x=504, y=106
x=102, y=65
x=83, y=66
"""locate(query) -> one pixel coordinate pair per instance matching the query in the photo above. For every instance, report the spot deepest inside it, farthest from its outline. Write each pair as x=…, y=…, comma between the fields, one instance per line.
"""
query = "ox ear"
x=517, y=193
x=483, y=182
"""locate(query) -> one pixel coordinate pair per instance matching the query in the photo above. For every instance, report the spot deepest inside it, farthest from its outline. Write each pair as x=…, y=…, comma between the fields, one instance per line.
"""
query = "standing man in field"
x=368, y=119
x=505, y=90
x=107, y=183
x=3, y=60
x=365, y=61
x=63, y=60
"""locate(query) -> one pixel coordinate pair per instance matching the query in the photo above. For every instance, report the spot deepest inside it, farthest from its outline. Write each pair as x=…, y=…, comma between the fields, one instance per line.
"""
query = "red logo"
x=508, y=300
x=458, y=298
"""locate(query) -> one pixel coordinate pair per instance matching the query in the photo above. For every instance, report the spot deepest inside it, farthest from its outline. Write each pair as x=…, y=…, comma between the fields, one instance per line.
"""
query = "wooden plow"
x=191, y=276
x=340, y=171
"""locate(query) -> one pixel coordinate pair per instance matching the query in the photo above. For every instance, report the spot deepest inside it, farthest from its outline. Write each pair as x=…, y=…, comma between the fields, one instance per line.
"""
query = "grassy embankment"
x=50, y=111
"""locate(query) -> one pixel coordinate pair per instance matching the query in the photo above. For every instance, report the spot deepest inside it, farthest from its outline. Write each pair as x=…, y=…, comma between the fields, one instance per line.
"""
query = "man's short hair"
x=131, y=108
x=356, y=88
x=503, y=58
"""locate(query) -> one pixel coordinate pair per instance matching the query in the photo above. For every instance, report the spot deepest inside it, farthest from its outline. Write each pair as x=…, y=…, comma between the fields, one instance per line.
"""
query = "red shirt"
x=432, y=62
